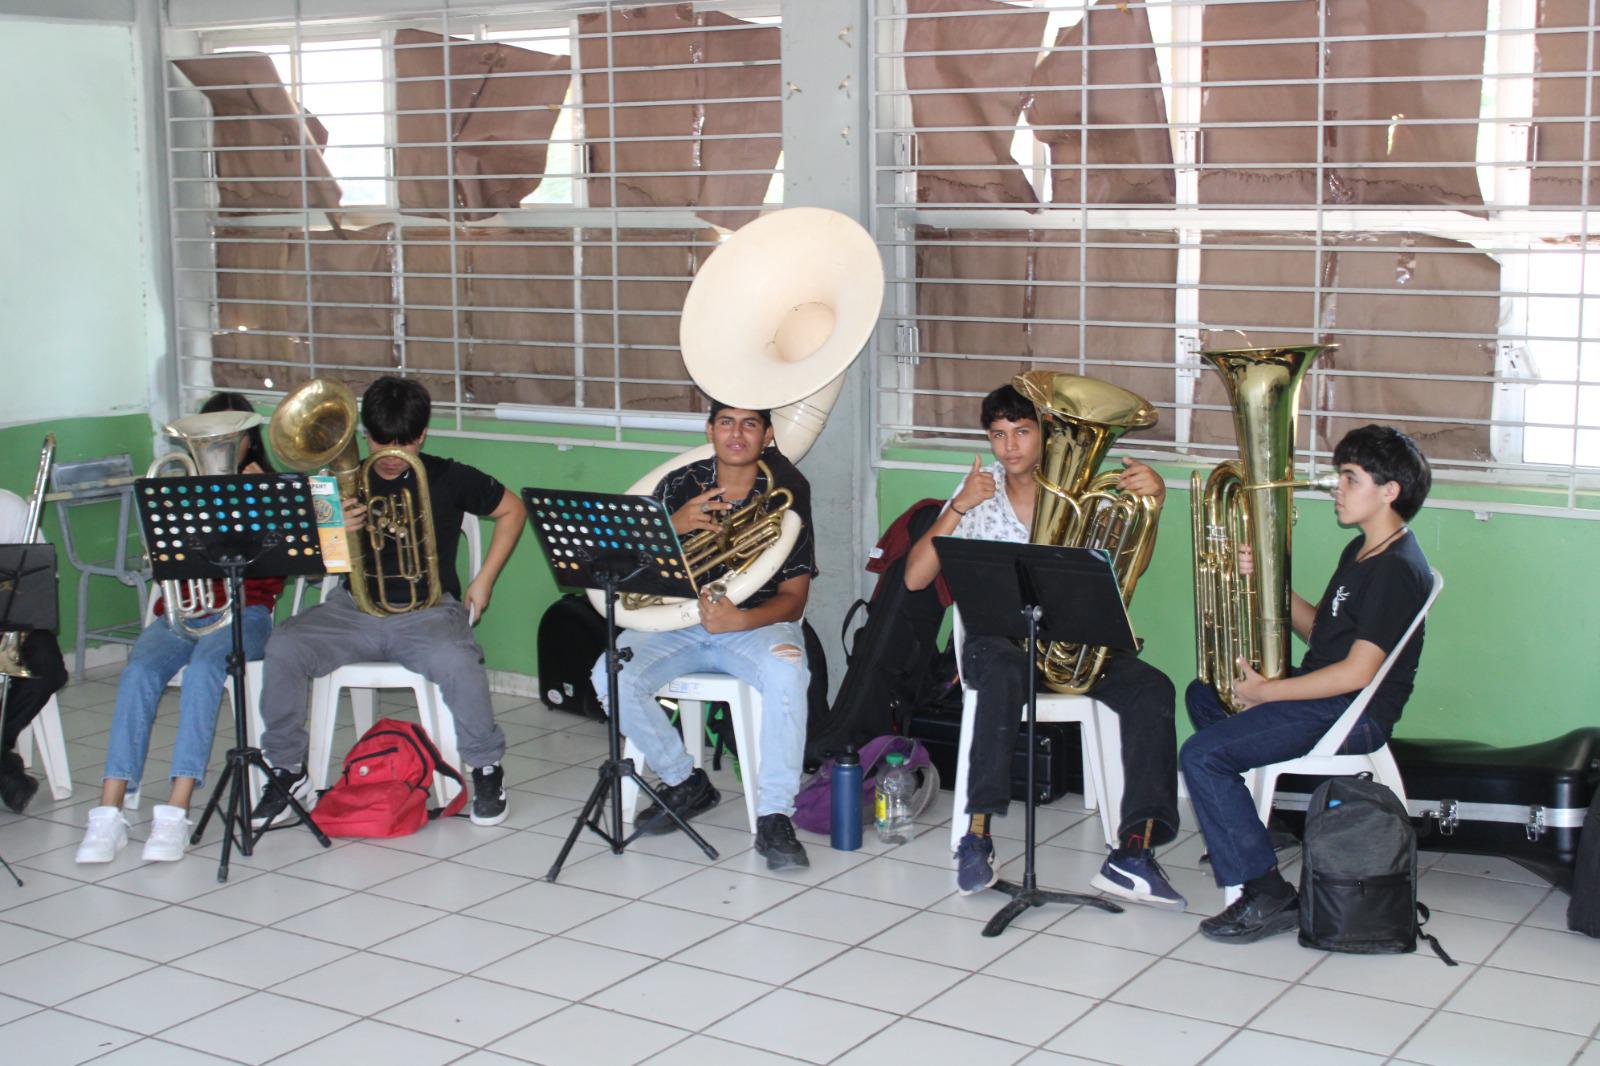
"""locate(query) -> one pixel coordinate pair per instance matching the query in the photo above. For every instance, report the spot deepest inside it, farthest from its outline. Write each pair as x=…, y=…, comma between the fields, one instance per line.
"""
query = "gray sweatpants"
x=436, y=643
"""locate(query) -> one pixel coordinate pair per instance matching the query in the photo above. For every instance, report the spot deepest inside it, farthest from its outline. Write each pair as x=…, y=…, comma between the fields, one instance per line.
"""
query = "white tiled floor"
x=448, y=947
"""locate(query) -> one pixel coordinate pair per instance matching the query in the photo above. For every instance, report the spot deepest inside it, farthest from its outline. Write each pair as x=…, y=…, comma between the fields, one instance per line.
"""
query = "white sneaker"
x=169, y=834
x=107, y=834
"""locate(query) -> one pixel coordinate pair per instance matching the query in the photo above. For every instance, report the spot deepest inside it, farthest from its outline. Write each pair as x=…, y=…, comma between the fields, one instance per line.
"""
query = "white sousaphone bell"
x=773, y=319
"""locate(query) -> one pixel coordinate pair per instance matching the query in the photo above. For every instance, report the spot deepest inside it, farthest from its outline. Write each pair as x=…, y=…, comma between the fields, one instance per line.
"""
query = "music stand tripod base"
x=615, y=543
x=1035, y=592
x=260, y=525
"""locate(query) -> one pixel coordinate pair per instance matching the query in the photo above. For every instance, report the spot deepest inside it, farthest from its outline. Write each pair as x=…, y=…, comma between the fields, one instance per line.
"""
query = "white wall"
x=80, y=317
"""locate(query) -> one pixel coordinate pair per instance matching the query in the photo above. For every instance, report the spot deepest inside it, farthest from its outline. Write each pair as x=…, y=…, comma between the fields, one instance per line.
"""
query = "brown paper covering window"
x=1557, y=97
x=1275, y=162
x=972, y=165
x=511, y=296
x=695, y=144
x=1396, y=283
x=252, y=113
x=1125, y=166
x=977, y=334
x=490, y=175
x=261, y=289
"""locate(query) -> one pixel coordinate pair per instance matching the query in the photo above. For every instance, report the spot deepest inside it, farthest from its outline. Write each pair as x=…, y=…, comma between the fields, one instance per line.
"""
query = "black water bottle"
x=845, y=794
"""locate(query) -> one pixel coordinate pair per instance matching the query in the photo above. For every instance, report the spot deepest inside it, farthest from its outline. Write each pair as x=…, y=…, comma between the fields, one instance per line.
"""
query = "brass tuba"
x=211, y=443
x=1081, y=419
x=315, y=427
x=1250, y=501
x=11, y=664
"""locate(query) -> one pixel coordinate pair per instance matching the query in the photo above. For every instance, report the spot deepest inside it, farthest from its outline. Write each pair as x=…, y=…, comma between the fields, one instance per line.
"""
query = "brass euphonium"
x=1250, y=501
x=1081, y=419
x=211, y=443
x=738, y=541
x=315, y=427
x=11, y=664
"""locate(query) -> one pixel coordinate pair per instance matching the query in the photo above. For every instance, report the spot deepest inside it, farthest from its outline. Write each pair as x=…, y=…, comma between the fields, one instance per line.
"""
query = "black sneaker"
x=488, y=795
x=1253, y=916
x=776, y=840
x=17, y=786
x=693, y=795
x=272, y=806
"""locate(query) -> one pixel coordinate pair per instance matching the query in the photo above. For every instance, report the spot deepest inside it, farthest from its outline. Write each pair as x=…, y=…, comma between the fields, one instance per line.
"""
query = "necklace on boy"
x=1376, y=548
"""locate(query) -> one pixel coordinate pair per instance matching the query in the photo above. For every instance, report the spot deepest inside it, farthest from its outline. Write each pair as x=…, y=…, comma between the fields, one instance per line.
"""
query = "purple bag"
x=813, y=807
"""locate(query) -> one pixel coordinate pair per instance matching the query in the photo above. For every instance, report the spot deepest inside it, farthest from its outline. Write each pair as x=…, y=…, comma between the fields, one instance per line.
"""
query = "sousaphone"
x=773, y=319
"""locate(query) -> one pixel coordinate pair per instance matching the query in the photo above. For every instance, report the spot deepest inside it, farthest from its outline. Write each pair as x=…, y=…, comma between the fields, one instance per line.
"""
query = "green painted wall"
x=1512, y=643
x=93, y=528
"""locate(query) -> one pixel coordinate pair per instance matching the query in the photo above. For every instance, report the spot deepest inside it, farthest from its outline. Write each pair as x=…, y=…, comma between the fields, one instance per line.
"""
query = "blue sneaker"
x=1135, y=875
x=975, y=864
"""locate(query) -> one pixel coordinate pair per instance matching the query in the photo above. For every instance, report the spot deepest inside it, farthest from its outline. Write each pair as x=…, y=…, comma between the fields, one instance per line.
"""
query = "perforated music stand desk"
x=232, y=526
x=1035, y=592
x=615, y=543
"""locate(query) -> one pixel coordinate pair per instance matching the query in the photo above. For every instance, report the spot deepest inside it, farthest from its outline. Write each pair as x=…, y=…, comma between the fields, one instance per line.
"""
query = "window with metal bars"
x=507, y=204
x=1107, y=188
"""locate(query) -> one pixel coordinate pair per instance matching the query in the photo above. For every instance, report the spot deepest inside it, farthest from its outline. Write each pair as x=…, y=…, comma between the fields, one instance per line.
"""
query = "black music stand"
x=598, y=540
x=1035, y=592
x=28, y=601
x=232, y=526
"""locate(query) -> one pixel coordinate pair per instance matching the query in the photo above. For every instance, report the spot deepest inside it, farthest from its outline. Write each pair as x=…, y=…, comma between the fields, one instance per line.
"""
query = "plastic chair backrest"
x=1336, y=735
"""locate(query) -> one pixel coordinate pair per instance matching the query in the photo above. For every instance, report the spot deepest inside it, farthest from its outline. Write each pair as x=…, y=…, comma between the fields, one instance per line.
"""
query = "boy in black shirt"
x=1380, y=584
x=435, y=642
x=759, y=641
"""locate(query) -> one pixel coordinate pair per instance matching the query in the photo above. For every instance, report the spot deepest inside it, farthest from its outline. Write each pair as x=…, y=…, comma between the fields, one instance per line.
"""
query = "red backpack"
x=384, y=789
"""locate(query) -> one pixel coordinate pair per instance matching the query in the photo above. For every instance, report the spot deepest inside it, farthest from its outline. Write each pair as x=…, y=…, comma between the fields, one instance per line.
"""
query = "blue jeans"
x=754, y=656
x=1226, y=746
x=157, y=655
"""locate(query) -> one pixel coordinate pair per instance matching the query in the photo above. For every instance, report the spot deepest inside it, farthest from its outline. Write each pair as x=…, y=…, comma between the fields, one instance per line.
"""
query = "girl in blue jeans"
x=157, y=656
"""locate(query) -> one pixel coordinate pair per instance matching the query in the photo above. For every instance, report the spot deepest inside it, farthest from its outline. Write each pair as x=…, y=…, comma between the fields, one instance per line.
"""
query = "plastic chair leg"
x=958, y=807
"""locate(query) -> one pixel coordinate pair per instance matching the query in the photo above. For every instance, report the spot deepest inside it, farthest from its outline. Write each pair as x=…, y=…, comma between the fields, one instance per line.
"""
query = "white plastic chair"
x=1324, y=759
x=1102, y=749
x=364, y=679
x=744, y=703
x=252, y=698
x=45, y=730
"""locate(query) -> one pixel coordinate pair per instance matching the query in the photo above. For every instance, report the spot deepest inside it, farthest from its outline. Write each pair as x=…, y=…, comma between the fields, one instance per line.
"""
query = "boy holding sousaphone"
x=377, y=613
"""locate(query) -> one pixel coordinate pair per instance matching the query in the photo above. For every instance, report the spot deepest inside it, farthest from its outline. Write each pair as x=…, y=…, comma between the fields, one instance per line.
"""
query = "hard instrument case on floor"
x=1058, y=766
x=1524, y=803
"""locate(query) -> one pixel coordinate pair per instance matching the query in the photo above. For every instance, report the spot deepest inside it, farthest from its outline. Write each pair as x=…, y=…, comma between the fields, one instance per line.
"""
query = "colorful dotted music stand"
x=231, y=527
x=617, y=544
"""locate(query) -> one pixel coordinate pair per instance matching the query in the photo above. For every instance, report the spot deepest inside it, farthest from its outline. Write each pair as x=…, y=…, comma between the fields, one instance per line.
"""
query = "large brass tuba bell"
x=315, y=427
x=210, y=446
x=1081, y=419
x=1250, y=501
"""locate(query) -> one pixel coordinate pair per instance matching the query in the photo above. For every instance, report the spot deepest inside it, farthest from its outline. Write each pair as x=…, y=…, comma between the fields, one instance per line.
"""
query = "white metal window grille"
x=1108, y=187
x=506, y=202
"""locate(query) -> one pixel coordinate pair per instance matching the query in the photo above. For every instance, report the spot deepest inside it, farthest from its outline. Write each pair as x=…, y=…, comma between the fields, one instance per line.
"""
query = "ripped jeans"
x=771, y=659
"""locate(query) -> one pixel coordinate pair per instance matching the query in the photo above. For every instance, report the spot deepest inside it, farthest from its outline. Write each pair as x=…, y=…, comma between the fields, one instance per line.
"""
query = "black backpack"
x=1358, y=876
x=889, y=666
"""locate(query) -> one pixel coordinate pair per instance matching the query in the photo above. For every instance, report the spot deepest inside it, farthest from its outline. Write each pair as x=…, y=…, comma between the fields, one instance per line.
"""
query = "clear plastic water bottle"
x=892, y=808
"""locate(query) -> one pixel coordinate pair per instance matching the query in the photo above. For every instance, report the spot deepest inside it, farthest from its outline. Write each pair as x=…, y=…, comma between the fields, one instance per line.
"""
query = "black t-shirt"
x=687, y=482
x=1374, y=600
x=454, y=490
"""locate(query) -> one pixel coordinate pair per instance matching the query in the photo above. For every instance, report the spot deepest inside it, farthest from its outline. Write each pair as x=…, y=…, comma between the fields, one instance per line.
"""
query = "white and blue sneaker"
x=1134, y=874
x=975, y=864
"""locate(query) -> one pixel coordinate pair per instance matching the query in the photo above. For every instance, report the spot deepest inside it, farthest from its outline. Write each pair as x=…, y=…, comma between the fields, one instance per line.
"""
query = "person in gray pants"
x=435, y=642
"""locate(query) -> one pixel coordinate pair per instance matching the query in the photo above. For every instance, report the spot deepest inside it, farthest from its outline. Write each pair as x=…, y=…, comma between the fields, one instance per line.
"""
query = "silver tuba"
x=773, y=319
x=212, y=447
